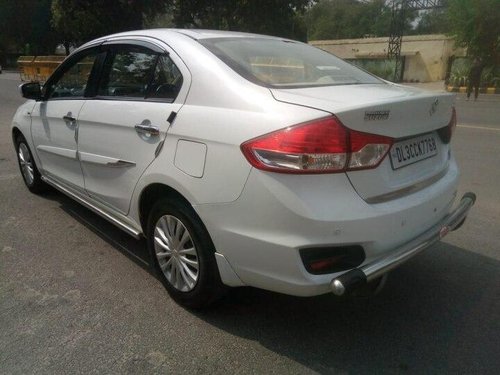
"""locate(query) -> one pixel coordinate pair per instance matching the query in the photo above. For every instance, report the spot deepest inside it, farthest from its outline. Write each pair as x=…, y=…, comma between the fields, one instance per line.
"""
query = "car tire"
x=29, y=171
x=183, y=254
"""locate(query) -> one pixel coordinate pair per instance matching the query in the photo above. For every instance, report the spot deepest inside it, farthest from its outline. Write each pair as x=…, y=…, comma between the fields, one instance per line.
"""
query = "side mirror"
x=31, y=90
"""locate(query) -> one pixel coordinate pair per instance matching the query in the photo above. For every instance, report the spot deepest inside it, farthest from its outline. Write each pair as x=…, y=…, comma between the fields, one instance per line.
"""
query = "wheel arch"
x=150, y=195
x=154, y=191
x=16, y=132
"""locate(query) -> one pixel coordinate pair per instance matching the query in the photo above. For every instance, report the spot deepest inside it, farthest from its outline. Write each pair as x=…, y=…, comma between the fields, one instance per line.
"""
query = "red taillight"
x=446, y=132
x=321, y=146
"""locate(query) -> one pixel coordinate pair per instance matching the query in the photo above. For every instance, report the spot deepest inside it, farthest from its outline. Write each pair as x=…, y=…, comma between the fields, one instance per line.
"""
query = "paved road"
x=76, y=295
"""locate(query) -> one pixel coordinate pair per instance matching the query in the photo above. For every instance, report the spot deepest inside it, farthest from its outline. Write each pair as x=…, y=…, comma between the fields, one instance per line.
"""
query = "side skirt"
x=113, y=219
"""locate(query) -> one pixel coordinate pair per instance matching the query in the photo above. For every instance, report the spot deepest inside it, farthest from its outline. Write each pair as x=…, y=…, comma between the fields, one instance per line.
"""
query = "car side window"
x=167, y=80
x=73, y=82
x=129, y=73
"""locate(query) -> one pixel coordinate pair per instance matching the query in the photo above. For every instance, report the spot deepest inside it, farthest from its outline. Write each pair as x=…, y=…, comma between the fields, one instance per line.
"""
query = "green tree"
x=77, y=21
x=26, y=23
x=273, y=17
x=434, y=21
x=341, y=19
x=475, y=24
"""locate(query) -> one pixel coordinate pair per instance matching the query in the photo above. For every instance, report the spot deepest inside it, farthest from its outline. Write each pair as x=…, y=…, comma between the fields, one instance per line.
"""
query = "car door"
x=54, y=125
x=123, y=127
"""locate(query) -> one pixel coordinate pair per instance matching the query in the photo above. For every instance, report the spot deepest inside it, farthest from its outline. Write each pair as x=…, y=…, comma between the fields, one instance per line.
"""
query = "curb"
x=482, y=90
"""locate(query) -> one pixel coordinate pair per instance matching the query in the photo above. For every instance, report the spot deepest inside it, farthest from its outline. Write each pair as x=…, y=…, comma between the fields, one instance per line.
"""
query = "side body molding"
x=64, y=152
x=86, y=157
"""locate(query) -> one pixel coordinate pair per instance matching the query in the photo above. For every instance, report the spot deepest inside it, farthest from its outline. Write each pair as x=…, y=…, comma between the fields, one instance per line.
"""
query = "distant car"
x=245, y=159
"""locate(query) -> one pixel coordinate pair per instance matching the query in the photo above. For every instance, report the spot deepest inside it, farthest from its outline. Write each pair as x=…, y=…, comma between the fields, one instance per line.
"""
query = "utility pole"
x=398, y=16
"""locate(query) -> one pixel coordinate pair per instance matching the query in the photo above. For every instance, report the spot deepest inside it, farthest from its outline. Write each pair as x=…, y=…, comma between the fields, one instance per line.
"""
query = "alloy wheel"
x=176, y=253
x=26, y=164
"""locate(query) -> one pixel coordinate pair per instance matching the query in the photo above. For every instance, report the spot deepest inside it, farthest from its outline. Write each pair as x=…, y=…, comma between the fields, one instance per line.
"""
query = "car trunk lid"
x=409, y=115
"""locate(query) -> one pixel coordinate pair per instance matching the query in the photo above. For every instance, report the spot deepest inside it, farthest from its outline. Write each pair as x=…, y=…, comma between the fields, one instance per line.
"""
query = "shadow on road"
x=424, y=321
x=136, y=250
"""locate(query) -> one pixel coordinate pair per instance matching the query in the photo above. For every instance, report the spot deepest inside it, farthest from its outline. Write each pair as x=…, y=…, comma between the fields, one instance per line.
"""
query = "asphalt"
x=77, y=295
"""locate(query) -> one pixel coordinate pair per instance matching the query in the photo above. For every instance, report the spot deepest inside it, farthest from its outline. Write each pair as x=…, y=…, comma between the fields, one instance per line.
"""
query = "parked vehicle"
x=245, y=159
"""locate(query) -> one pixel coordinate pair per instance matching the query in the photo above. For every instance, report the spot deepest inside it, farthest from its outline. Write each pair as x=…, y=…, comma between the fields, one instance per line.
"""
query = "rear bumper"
x=359, y=276
x=262, y=233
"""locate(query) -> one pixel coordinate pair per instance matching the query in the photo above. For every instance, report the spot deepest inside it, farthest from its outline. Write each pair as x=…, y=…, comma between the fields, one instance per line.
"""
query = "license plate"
x=413, y=150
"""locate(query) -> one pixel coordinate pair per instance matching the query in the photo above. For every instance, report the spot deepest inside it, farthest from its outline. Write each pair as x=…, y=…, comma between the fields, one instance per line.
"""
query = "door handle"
x=147, y=129
x=69, y=118
x=70, y=121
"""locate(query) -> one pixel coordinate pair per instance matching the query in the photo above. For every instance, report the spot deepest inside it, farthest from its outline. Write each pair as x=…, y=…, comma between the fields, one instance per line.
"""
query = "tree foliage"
x=273, y=17
x=434, y=21
x=77, y=21
x=26, y=26
x=475, y=24
x=81, y=20
x=341, y=19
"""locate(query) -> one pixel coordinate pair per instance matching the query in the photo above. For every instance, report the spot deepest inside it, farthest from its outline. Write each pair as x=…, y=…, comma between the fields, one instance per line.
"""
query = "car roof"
x=173, y=34
x=196, y=34
x=205, y=34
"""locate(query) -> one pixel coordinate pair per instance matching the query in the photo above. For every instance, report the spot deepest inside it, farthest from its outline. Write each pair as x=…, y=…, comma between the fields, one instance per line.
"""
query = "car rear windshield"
x=285, y=64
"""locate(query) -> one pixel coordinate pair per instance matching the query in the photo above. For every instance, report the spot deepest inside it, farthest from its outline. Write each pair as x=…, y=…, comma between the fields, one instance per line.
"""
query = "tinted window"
x=73, y=81
x=130, y=73
x=139, y=73
x=167, y=80
x=280, y=63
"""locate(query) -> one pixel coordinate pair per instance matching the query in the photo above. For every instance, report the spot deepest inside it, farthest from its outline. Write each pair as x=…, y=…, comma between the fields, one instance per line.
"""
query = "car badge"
x=376, y=115
x=433, y=107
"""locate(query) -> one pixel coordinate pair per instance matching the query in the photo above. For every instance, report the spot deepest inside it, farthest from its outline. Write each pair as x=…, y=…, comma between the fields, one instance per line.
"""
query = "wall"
x=426, y=56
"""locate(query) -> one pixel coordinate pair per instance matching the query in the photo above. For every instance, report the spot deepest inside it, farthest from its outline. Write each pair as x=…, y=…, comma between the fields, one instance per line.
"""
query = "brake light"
x=446, y=132
x=320, y=146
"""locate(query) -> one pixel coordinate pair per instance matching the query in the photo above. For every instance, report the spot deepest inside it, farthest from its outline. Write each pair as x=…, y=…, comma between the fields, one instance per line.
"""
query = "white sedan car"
x=245, y=159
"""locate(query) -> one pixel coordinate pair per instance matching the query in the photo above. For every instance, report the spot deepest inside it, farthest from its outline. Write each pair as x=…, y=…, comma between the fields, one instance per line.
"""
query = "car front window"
x=73, y=82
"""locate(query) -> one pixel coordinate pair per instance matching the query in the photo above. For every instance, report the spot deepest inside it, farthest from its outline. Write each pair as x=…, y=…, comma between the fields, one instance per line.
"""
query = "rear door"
x=123, y=127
